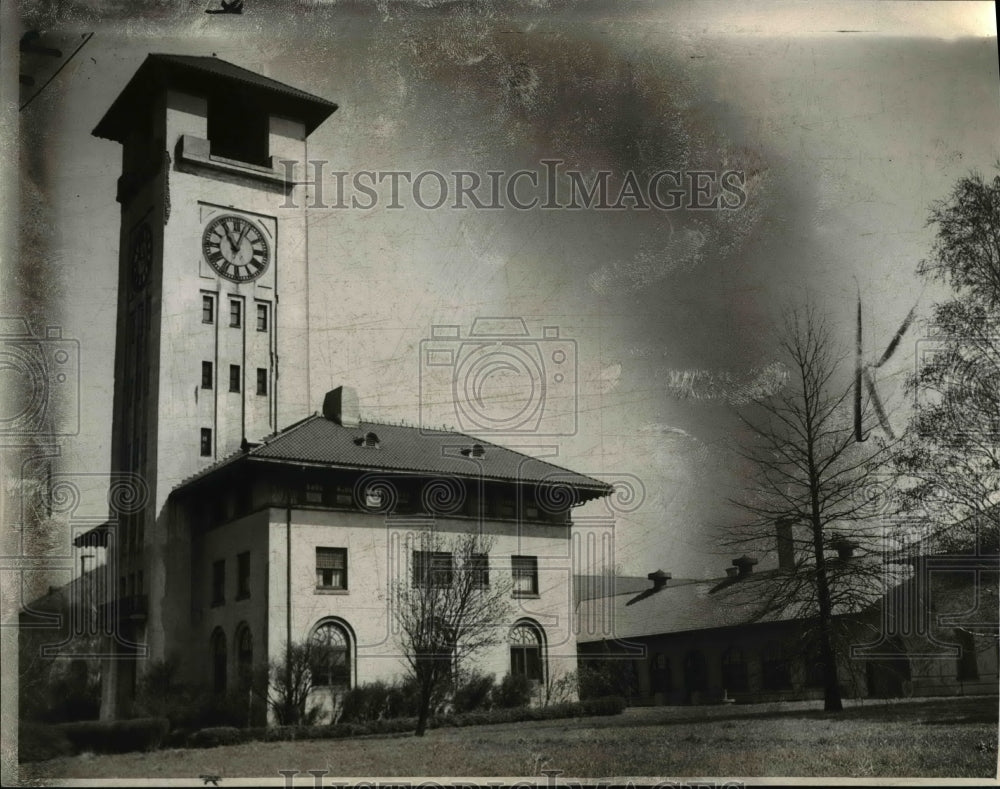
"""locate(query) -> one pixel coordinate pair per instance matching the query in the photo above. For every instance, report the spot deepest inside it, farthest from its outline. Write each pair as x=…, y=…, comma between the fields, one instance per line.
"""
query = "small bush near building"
x=473, y=693
x=124, y=736
x=228, y=735
x=37, y=742
x=513, y=691
x=215, y=736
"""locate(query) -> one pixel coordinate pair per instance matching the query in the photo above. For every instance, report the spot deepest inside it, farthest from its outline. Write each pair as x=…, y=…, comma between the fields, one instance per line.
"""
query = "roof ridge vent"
x=659, y=579
x=369, y=439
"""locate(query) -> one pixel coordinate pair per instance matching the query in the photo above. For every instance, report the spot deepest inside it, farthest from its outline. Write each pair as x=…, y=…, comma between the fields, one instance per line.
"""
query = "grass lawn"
x=954, y=737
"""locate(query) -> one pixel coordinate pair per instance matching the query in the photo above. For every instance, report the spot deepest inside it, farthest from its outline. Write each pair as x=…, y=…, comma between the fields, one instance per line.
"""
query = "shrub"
x=473, y=693
x=37, y=742
x=367, y=702
x=124, y=736
x=217, y=735
x=604, y=706
x=514, y=691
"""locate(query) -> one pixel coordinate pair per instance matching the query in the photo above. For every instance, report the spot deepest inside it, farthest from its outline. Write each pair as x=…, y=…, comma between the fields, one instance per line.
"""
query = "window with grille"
x=314, y=493
x=243, y=575
x=525, y=574
x=479, y=568
x=219, y=582
x=330, y=656
x=526, y=652
x=331, y=568
x=207, y=309
x=734, y=670
x=432, y=568
x=775, y=668
x=219, y=660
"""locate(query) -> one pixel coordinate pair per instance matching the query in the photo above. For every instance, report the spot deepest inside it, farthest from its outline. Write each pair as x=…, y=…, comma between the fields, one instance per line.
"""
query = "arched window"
x=330, y=658
x=695, y=671
x=526, y=651
x=774, y=667
x=244, y=655
x=219, y=660
x=734, y=670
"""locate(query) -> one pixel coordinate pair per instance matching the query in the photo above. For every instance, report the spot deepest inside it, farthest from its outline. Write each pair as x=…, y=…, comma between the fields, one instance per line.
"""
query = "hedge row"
x=123, y=736
x=37, y=742
x=230, y=735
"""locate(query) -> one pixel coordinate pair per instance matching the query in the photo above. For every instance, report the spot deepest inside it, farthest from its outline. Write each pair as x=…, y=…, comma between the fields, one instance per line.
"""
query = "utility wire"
x=61, y=67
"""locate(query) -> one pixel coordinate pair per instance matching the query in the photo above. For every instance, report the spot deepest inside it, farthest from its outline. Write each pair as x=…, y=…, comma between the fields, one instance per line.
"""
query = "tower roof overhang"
x=205, y=76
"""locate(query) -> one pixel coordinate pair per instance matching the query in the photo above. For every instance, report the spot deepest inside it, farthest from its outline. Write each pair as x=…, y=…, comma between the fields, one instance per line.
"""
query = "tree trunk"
x=831, y=685
x=426, y=689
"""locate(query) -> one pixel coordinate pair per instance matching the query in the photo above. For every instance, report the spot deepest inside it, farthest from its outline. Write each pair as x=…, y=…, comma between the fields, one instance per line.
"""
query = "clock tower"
x=212, y=344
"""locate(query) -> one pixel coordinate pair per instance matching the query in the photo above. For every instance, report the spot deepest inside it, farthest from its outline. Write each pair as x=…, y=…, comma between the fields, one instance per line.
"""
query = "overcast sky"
x=846, y=139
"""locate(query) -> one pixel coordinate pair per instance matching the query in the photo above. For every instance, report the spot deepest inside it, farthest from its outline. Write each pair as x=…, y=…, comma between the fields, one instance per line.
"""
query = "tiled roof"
x=224, y=68
x=317, y=440
x=200, y=75
x=687, y=605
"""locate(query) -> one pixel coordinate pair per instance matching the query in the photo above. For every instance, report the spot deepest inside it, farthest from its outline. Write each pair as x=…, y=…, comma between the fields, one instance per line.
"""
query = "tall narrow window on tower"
x=238, y=129
x=207, y=308
x=262, y=381
x=206, y=442
x=235, y=313
x=206, y=375
x=234, y=378
x=261, y=317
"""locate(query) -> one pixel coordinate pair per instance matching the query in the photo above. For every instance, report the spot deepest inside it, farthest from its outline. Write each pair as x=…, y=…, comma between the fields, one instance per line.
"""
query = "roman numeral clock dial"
x=235, y=248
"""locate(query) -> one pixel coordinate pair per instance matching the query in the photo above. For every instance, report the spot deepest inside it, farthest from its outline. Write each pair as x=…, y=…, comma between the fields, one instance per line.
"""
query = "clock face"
x=141, y=256
x=235, y=248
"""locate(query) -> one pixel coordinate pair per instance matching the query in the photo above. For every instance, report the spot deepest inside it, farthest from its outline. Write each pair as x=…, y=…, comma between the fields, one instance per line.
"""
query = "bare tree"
x=813, y=489
x=447, y=610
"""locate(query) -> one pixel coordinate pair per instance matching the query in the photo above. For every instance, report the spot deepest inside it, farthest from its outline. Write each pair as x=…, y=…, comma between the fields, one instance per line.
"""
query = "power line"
x=56, y=73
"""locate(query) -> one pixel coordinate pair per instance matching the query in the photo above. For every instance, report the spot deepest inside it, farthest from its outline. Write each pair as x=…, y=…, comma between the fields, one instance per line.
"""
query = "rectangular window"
x=344, y=495
x=219, y=582
x=262, y=381
x=524, y=570
x=206, y=442
x=243, y=575
x=261, y=317
x=207, y=309
x=314, y=493
x=206, y=375
x=331, y=568
x=479, y=568
x=432, y=568
x=235, y=313
x=234, y=378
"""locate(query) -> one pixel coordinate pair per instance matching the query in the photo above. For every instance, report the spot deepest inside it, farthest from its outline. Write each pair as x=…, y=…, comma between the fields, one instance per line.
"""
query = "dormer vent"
x=659, y=579
x=475, y=451
x=845, y=548
x=744, y=564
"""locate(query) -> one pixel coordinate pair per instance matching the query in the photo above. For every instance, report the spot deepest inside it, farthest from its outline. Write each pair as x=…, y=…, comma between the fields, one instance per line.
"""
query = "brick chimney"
x=341, y=406
x=786, y=547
